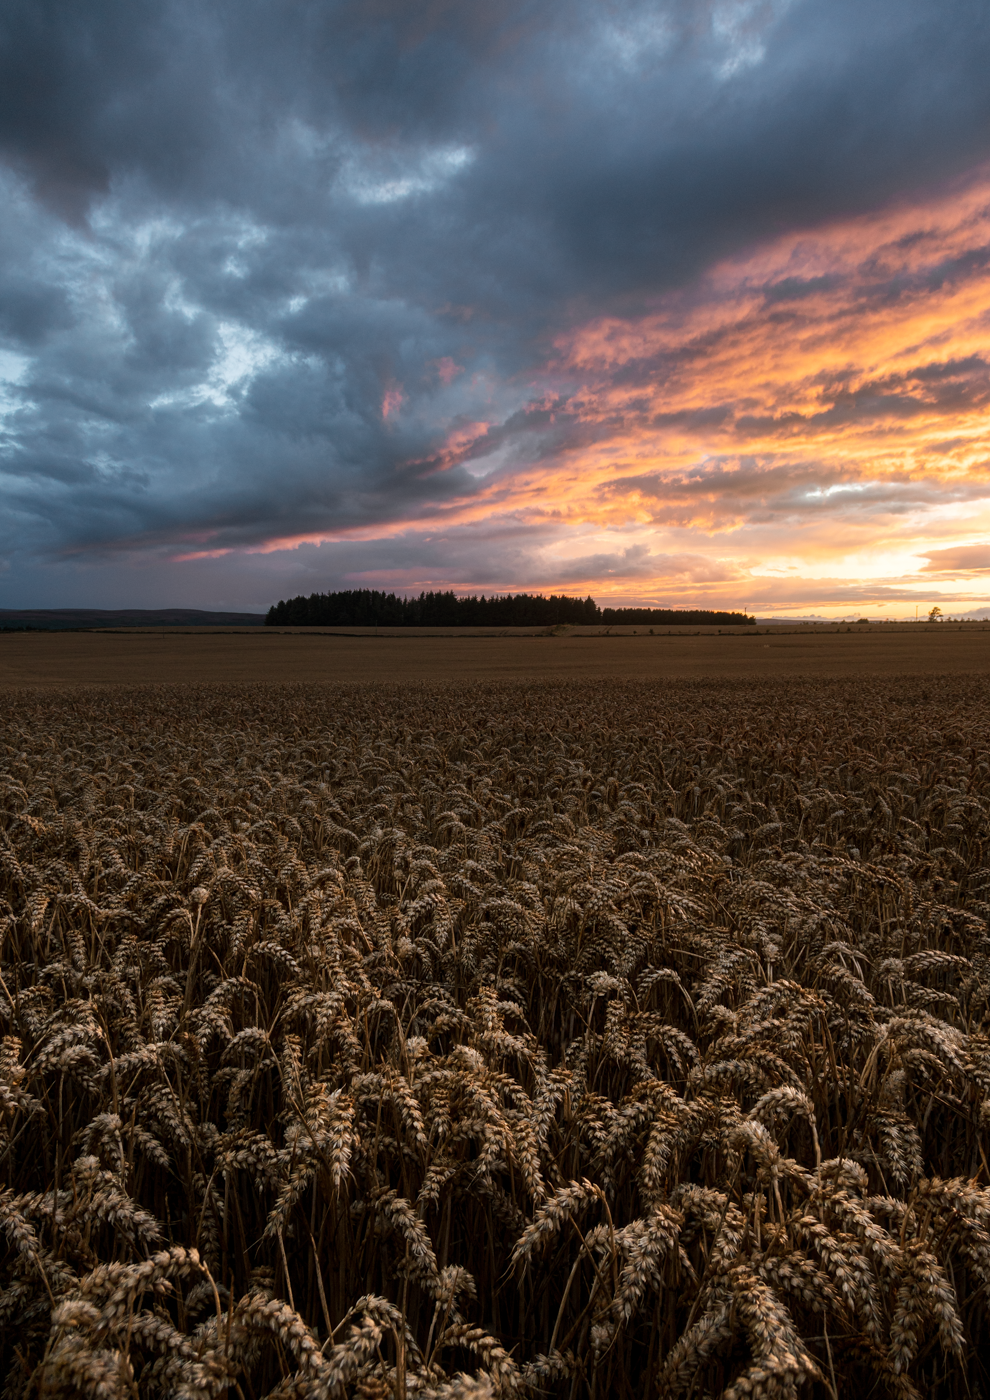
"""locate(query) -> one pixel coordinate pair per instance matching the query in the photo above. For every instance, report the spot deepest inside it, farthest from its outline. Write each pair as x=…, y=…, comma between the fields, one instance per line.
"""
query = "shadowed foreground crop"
x=585, y=1040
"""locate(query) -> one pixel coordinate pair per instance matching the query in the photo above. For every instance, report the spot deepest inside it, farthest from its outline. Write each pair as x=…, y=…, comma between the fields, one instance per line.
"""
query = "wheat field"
x=581, y=1040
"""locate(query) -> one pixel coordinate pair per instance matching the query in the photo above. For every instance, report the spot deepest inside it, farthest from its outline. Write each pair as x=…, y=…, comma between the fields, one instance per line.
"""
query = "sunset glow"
x=809, y=419
x=823, y=401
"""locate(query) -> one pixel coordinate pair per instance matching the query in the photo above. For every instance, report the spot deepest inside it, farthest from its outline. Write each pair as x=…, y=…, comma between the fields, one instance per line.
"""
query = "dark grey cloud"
x=235, y=235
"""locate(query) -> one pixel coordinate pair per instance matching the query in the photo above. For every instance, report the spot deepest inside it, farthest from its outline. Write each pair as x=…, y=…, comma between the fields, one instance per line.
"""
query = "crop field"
x=588, y=1039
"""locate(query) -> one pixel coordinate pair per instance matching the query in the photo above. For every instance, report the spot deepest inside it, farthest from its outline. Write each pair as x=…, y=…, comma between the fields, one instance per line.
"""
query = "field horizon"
x=357, y=655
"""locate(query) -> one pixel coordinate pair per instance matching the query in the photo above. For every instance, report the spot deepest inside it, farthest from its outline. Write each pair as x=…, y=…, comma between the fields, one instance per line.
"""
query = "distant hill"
x=62, y=619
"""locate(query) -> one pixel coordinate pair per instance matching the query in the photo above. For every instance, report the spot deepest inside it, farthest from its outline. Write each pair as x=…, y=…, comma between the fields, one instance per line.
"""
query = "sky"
x=680, y=303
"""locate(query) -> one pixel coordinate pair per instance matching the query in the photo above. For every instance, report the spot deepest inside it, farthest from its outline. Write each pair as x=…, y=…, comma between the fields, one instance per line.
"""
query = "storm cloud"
x=299, y=294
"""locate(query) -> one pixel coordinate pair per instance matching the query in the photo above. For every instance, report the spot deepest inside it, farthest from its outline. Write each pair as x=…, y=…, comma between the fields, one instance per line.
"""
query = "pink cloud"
x=447, y=370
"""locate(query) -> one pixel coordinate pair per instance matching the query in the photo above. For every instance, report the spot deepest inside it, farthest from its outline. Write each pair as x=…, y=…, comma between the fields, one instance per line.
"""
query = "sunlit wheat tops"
x=499, y=1041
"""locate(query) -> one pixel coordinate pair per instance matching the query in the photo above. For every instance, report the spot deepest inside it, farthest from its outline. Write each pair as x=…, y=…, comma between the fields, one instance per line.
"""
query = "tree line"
x=367, y=607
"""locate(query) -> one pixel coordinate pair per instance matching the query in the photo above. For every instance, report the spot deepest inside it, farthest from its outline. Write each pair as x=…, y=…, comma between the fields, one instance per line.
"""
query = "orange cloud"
x=862, y=347
x=808, y=421
x=960, y=561
x=822, y=404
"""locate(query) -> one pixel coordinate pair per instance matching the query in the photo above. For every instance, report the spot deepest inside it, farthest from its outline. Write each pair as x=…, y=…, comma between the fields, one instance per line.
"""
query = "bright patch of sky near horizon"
x=682, y=303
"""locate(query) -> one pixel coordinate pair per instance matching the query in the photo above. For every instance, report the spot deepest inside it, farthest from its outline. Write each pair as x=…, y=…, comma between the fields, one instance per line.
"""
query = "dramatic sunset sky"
x=672, y=303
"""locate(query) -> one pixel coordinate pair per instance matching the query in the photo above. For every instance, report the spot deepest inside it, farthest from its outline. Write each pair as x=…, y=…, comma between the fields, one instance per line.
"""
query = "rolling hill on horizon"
x=58, y=619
